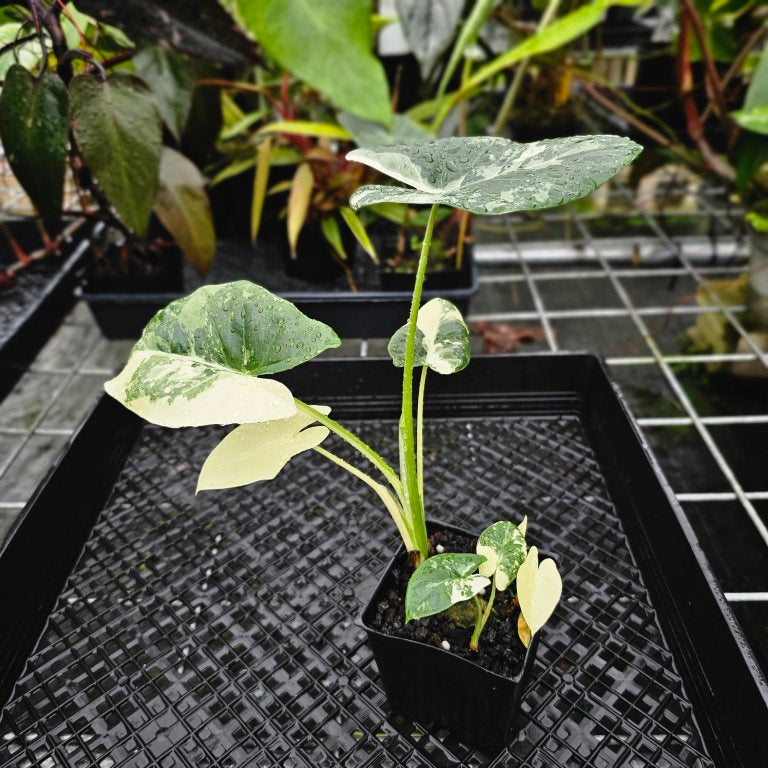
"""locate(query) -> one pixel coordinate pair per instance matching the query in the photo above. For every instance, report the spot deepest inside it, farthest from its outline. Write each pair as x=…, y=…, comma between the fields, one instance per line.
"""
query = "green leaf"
x=503, y=547
x=442, y=339
x=428, y=26
x=755, y=119
x=757, y=93
x=199, y=360
x=34, y=132
x=489, y=175
x=118, y=131
x=254, y=452
x=441, y=581
x=358, y=230
x=749, y=155
x=367, y=133
x=539, y=588
x=328, y=46
x=171, y=79
x=332, y=234
x=183, y=208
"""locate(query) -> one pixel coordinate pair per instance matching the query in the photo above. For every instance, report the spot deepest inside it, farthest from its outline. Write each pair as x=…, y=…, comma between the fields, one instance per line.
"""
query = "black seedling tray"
x=367, y=313
x=33, y=307
x=146, y=626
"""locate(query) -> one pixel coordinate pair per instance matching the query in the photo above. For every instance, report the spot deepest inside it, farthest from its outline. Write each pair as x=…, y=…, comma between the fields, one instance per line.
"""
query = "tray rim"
x=93, y=428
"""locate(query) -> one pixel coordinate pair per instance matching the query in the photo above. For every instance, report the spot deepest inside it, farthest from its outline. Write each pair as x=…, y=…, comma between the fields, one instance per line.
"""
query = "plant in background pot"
x=86, y=97
x=202, y=360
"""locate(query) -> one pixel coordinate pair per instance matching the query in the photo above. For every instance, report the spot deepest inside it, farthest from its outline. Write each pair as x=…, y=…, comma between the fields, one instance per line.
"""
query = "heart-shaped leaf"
x=327, y=47
x=442, y=339
x=441, y=581
x=538, y=589
x=34, y=129
x=172, y=81
x=119, y=133
x=253, y=452
x=503, y=547
x=488, y=175
x=183, y=207
x=199, y=360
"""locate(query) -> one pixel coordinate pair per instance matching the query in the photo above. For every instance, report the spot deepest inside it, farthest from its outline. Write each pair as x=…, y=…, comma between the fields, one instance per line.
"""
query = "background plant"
x=80, y=93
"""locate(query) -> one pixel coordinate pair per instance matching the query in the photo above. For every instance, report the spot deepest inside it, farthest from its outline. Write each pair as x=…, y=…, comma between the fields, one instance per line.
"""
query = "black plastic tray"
x=360, y=315
x=32, y=309
x=149, y=627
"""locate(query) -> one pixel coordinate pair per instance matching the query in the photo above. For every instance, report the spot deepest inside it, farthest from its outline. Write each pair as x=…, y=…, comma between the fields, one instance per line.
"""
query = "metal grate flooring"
x=621, y=284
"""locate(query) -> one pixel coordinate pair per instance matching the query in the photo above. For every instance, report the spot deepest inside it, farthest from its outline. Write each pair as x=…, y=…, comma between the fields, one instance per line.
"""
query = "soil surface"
x=500, y=649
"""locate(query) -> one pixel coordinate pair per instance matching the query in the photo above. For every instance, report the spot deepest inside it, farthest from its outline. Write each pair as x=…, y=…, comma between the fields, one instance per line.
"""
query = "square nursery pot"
x=370, y=312
x=147, y=626
x=431, y=685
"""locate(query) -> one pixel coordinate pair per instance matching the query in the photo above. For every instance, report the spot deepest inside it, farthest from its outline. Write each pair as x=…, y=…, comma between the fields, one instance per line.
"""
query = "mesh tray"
x=32, y=308
x=219, y=630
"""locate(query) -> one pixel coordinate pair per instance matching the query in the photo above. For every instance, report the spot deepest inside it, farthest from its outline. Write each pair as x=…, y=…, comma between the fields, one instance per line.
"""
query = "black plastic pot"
x=367, y=313
x=431, y=685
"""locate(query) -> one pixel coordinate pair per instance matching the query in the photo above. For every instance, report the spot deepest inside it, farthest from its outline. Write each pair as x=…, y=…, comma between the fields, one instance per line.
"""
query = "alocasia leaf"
x=253, y=452
x=119, y=133
x=538, y=589
x=489, y=175
x=441, y=581
x=34, y=130
x=503, y=547
x=200, y=360
x=442, y=339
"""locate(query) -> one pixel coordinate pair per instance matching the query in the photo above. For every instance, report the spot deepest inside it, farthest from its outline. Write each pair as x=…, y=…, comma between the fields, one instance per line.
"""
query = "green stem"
x=407, y=438
x=383, y=493
x=420, y=432
x=482, y=620
x=357, y=443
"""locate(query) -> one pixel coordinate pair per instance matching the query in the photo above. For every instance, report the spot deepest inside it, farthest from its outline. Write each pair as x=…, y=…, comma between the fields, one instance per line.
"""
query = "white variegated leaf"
x=490, y=175
x=199, y=360
x=538, y=589
x=253, y=452
x=442, y=339
x=441, y=581
x=180, y=391
x=503, y=547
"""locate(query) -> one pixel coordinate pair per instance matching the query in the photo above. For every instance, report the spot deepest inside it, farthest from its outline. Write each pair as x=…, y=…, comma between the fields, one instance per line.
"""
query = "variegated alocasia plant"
x=203, y=360
x=502, y=556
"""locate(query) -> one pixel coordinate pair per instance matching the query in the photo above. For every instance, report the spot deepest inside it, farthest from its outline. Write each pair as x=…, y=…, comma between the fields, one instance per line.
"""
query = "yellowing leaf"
x=254, y=452
x=306, y=128
x=524, y=631
x=331, y=233
x=298, y=203
x=260, y=180
x=183, y=208
x=538, y=589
